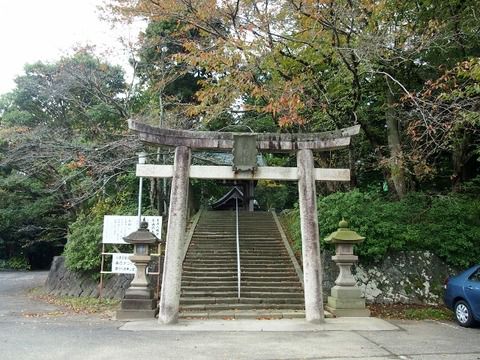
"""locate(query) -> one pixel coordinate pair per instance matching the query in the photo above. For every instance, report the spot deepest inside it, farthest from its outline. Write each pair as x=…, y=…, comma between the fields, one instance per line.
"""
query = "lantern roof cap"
x=344, y=235
x=141, y=236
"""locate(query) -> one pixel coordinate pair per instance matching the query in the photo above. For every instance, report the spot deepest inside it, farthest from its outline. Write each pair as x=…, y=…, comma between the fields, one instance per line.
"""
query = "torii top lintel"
x=221, y=141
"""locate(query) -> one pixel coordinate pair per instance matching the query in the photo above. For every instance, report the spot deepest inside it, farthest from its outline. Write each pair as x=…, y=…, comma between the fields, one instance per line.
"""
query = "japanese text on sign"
x=116, y=227
x=121, y=264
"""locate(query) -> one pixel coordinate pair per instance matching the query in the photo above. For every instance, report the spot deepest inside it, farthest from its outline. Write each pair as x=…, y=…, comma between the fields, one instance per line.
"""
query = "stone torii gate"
x=181, y=171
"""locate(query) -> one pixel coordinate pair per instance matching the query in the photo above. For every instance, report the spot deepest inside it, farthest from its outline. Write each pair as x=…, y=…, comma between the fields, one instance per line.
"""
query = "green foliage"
x=446, y=225
x=16, y=263
x=79, y=92
x=83, y=245
x=61, y=145
x=28, y=215
x=82, y=251
x=271, y=194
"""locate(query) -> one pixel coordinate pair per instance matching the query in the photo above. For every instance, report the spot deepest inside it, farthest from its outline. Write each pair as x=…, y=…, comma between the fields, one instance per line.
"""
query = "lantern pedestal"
x=346, y=298
x=347, y=302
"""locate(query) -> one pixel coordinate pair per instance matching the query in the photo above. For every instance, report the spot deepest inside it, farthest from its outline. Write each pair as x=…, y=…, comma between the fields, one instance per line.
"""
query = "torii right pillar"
x=312, y=266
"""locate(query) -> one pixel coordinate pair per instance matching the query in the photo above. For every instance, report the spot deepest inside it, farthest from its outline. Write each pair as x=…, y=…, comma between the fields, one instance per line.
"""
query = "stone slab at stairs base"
x=245, y=325
x=126, y=314
x=270, y=314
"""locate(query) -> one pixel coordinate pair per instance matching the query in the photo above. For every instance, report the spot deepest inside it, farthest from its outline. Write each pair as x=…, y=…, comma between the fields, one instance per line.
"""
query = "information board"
x=116, y=227
x=121, y=264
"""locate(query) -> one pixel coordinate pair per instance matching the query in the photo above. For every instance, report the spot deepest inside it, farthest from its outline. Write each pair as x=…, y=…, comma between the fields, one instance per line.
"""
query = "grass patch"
x=78, y=305
x=429, y=313
x=411, y=312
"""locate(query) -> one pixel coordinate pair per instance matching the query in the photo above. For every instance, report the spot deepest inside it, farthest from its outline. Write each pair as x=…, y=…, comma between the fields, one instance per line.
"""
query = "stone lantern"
x=346, y=298
x=138, y=302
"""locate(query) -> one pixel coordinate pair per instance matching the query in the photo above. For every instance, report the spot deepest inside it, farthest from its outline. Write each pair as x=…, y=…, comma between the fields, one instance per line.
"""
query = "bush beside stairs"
x=270, y=287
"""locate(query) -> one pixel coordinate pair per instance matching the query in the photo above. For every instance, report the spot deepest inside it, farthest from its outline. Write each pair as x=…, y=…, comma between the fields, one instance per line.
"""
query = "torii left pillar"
x=312, y=267
x=177, y=221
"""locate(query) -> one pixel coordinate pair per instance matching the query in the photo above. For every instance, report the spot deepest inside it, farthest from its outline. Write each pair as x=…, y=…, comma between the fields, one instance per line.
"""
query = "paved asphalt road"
x=30, y=330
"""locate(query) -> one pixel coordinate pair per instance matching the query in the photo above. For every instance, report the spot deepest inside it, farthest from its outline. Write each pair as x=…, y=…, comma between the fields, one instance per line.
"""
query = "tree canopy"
x=407, y=71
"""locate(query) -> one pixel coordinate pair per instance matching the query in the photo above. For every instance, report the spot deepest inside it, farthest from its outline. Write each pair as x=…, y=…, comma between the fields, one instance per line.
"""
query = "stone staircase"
x=270, y=287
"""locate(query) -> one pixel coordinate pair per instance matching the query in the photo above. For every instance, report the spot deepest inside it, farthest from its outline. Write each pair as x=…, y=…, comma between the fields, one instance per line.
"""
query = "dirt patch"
x=104, y=308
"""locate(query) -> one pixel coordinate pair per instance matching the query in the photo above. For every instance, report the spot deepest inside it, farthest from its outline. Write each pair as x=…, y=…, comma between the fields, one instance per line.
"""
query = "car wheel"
x=463, y=314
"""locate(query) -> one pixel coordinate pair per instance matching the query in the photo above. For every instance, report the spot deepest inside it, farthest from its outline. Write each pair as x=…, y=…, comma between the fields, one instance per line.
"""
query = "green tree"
x=78, y=93
x=62, y=144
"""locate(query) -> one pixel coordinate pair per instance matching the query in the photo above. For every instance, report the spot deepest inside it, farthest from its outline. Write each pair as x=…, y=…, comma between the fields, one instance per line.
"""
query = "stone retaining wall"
x=406, y=277
x=62, y=281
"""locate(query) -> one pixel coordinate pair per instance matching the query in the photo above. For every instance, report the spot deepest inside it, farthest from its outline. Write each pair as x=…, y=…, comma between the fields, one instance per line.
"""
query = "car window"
x=475, y=276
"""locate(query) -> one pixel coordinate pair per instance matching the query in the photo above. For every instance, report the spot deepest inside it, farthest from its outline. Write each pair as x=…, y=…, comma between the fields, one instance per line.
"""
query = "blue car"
x=462, y=295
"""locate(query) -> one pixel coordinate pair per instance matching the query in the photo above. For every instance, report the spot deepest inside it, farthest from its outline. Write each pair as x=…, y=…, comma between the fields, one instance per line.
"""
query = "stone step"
x=233, y=277
x=244, y=259
x=268, y=279
x=201, y=250
x=234, y=300
x=216, y=232
x=261, y=264
x=200, y=267
x=198, y=252
x=244, y=294
x=227, y=229
x=245, y=273
x=257, y=256
x=231, y=251
x=232, y=237
x=230, y=268
x=213, y=259
x=233, y=282
x=232, y=243
x=244, y=288
x=261, y=314
x=251, y=260
x=233, y=219
x=233, y=240
x=245, y=314
x=239, y=306
x=247, y=259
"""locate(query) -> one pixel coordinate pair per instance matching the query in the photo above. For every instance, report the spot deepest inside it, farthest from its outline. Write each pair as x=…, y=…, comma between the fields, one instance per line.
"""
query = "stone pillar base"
x=138, y=303
x=347, y=301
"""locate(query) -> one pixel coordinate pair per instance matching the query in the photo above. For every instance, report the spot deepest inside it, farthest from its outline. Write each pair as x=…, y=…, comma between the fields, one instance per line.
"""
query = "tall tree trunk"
x=158, y=186
x=395, y=162
x=162, y=188
x=460, y=158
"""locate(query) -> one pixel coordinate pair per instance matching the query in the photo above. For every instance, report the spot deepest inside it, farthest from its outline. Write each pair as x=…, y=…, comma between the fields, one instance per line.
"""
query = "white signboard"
x=121, y=264
x=116, y=227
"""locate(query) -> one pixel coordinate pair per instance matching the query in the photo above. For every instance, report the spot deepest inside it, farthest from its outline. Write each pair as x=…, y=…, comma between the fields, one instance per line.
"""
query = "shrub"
x=17, y=263
x=446, y=225
x=82, y=251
